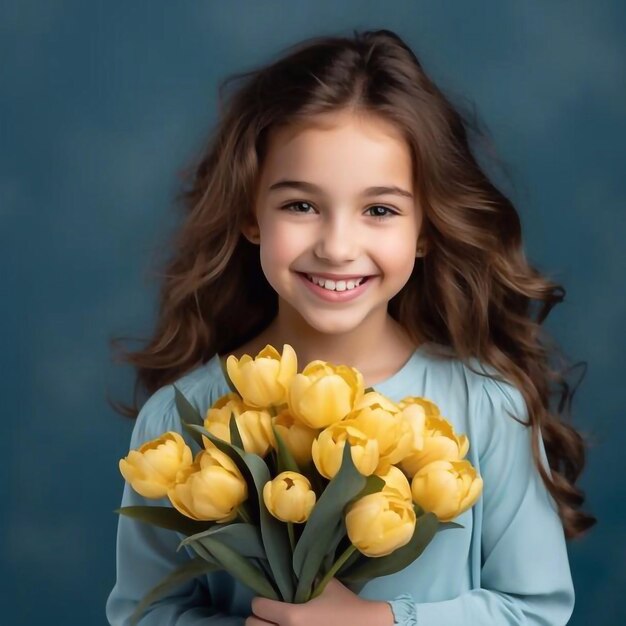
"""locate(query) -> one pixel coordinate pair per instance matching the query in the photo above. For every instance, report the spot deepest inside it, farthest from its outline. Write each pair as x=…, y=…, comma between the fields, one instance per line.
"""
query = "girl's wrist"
x=380, y=615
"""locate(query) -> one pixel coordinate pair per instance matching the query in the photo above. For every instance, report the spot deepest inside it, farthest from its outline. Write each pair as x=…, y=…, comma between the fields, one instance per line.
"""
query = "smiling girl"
x=336, y=259
x=339, y=209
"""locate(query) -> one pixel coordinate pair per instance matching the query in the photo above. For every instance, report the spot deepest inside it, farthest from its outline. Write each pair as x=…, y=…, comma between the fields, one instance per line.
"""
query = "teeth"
x=331, y=285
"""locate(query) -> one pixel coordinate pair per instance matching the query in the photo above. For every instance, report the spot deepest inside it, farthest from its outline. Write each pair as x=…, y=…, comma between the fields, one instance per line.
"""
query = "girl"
x=339, y=208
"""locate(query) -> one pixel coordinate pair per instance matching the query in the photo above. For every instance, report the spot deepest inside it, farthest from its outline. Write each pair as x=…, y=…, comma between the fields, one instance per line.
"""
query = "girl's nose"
x=337, y=242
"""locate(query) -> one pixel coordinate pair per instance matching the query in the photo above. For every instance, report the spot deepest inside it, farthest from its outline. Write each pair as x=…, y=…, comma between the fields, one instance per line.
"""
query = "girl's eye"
x=306, y=205
x=383, y=216
x=289, y=207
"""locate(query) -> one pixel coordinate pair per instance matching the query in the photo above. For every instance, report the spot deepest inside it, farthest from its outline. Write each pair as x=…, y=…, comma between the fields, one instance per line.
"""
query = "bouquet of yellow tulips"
x=301, y=477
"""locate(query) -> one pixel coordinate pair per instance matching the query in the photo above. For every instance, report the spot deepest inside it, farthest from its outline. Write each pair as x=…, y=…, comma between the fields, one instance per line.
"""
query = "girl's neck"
x=377, y=353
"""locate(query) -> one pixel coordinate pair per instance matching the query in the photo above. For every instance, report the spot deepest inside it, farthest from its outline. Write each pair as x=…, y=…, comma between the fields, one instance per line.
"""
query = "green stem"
x=332, y=571
x=292, y=539
x=243, y=514
x=268, y=574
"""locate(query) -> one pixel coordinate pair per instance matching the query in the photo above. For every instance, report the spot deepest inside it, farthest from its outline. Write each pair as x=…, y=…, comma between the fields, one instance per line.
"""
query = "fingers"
x=257, y=621
x=272, y=611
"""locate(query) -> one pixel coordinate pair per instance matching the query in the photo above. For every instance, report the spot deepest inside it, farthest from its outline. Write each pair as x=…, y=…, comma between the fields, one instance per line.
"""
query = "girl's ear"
x=250, y=231
x=421, y=249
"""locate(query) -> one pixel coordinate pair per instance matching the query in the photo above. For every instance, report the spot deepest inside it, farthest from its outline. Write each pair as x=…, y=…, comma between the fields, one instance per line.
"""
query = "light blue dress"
x=508, y=565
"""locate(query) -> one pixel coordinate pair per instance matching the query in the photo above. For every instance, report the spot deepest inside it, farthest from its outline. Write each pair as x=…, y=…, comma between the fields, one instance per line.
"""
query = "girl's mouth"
x=331, y=295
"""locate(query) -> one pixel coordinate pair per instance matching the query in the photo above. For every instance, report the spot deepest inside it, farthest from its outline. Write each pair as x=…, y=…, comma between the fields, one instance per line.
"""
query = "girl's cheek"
x=286, y=241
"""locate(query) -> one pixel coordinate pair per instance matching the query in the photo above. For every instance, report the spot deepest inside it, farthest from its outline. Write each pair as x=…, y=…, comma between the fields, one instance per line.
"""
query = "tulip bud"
x=396, y=483
x=297, y=436
x=446, y=488
x=381, y=419
x=379, y=523
x=151, y=469
x=417, y=409
x=378, y=432
x=264, y=380
x=440, y=442
x=324, y=393
x=289, y=497
x=254, y=425
x=327, y=449
x=210, y=489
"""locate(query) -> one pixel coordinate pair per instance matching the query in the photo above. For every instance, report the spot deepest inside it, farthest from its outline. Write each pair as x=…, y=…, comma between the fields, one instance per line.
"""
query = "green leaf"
x=206, y=555
x=196, y=567
x=354, y=586
x=261, y=564
x=245, y=538
x=373, y=484
x=273, y=531
x=367, y=568
x=165, y=517
x=419, y=511
x=331, y=555
x=186, y=410
x=191, y=429
x=286, y=462
x=188, y=415
x=235, y=437
x=321, y=525
x=355, y=556
x=238, y=566
x=318, y=482
x=229, y=382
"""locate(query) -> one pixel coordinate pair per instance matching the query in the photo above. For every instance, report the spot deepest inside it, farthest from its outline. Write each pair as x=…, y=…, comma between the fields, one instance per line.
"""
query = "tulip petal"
x=234, y=372
x=288, y=366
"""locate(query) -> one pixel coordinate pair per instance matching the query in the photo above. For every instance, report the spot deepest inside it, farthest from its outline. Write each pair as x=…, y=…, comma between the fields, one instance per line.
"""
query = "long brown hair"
x=473, y=291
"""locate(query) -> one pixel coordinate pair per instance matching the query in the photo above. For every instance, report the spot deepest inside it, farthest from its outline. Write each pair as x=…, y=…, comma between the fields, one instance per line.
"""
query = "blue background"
x=101, y=106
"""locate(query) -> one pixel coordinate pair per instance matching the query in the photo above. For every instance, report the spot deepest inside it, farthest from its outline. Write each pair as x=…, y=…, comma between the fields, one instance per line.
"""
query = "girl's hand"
x=335, y=606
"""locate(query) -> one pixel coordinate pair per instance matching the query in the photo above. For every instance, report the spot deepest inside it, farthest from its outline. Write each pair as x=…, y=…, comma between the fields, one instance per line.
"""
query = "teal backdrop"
x=103, y=103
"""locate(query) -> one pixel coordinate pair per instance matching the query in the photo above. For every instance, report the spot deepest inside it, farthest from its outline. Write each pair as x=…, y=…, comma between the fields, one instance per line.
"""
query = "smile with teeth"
x=340, y=285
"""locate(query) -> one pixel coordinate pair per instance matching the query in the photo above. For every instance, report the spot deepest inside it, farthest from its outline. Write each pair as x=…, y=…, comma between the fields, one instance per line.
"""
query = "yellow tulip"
x=396, y=483
x=254, y=425
x=289, y=497
x=379, y=433
x=264, y=380
x=417, y=409
x=151, y=469
x=210, y=489
x=327, y=449
x=297, y=436
x=324, y=393
x=440, y=442
x=429, y=407
x=378, y=400
x=379, y=523
x=381, y=419
x=446, y=488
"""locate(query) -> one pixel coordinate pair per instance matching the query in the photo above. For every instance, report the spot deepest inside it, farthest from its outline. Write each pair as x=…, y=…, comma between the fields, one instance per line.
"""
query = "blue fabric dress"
x=508, y=565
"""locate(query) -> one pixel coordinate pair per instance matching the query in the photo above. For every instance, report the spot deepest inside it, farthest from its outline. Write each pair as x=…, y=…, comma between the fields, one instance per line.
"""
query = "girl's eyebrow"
x=311, y=188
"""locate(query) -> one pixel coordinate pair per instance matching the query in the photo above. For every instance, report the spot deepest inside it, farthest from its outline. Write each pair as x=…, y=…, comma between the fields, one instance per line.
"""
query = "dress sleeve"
x=147, y=554
x=525, y=573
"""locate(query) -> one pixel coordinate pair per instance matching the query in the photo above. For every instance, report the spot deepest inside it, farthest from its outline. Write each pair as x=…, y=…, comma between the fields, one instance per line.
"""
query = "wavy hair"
x=474, y=292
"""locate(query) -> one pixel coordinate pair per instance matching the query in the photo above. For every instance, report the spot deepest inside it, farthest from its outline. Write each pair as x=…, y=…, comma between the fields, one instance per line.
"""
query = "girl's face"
x=322, y=211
